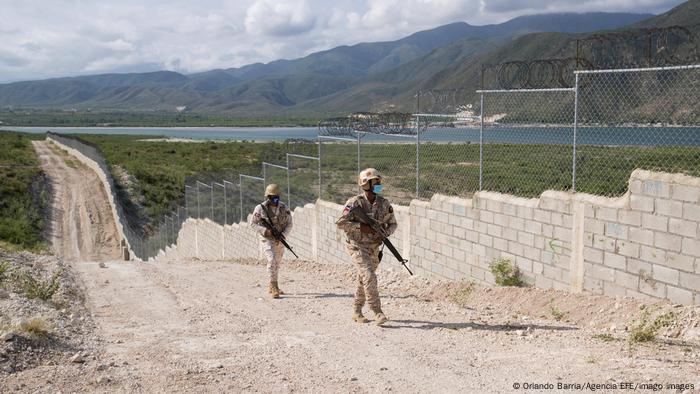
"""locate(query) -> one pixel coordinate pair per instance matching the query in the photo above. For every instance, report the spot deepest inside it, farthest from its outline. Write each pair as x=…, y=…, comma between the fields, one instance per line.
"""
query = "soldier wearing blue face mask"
x=276, y=213
x=363, y=243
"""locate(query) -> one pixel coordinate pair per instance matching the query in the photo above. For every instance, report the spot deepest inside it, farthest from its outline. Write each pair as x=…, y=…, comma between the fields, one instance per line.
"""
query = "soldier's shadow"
x=430, y=325
x=318, y=295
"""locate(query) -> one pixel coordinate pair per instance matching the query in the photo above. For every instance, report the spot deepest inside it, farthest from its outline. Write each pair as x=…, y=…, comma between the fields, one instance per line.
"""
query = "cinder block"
x=500, y=244
x=667, y=241
x=691, y=211
x=494, y=230
x=526, y=238
x=593, y=285
x=592, y=255
x=542, y=216
x=642, y=203
x=515, y=248
x=642, y=236
x=509, y=209
x=510, y=234
x=633, y=218
x=543, y=283
x=655, y=222
x=691, y=247
x=494, y=206
x=635, y=266
x=501, y=219
x=653, y=255
x=594, y=226
x=686, y=228
x=600, y=272
x=486, y=216
x=486, y=240
x=669, y=207
x=532, y=253
x=604, y=243
x=652, y=288
x=615, y=261
x=636, y=186
x=516, y=223
x=664, y=274
x=689, y=281
x=616, y=230
x=679, y=296
x=627, y=280
x=613, y=289
x=656, y=189
x=685, y=193
x=605, y=213
x=627, y=248
x=526, y=213
x=548, y=230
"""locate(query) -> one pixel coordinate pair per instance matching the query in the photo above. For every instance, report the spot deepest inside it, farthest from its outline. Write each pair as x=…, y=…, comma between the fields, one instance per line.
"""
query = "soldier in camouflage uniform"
x=363, y=243
x=275, y=212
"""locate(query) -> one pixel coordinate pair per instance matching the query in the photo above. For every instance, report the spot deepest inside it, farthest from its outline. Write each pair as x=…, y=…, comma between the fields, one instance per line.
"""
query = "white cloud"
x=43, y=39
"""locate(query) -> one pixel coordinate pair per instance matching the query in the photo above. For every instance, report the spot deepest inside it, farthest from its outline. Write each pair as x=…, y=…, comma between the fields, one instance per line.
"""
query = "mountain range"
x=363, y=77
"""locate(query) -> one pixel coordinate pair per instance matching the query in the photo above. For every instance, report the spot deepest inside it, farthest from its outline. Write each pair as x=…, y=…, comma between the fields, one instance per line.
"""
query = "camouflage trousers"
x=366, y=260
x=273, y=253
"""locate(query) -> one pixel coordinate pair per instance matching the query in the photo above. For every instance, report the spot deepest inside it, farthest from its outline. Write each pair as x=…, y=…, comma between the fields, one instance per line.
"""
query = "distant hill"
x=346, y=78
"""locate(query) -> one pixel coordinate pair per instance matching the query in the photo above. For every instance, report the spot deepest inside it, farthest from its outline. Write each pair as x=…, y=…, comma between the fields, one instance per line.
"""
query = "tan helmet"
x=272, y=190
x=367, y=175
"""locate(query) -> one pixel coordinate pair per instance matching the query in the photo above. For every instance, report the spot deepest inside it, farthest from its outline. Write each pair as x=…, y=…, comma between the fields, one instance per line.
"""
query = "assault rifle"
x=275, y=233
x=360, y=215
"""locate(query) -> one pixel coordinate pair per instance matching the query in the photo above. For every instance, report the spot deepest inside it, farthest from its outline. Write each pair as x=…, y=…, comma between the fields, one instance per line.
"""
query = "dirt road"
x=210, y=327
x=82, y=226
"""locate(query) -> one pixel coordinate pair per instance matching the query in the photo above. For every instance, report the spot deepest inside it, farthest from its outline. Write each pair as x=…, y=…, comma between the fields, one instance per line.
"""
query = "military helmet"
x=367, y=175
x=272, y=190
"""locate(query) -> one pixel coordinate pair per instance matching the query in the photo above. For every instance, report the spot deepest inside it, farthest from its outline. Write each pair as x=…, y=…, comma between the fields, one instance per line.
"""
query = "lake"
x=610, y=136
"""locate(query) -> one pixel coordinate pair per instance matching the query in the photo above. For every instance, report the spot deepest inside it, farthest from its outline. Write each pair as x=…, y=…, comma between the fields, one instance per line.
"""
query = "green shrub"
x=39, y=288
x=36, y=328
x=4, y=271
x=645, y=330
x=506, y=273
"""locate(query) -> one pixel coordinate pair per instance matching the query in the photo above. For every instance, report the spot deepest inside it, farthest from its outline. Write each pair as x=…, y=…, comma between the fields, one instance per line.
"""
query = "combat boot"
x=358, y=316
x=380, y=318
x=274, y=290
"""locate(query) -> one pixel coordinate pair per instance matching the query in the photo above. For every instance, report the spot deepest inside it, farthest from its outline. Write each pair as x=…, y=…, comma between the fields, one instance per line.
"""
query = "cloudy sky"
x=49, y=38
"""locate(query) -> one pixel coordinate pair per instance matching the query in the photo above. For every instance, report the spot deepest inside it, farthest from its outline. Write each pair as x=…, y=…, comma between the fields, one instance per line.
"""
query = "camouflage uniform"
x=273, y=249
x=364, y=248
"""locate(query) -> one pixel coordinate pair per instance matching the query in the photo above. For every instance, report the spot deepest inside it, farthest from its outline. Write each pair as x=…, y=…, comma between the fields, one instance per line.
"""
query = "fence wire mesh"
x=394, y=155
x=648, y=119
x=277, y=174
x=527, y=141
x=232, y=203
x=303, y=180
x=448, y=154
x=339, y=168
x=251, y=192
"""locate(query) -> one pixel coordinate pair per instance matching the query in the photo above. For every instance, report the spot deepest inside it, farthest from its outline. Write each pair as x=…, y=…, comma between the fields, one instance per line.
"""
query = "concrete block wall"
x=645, y=244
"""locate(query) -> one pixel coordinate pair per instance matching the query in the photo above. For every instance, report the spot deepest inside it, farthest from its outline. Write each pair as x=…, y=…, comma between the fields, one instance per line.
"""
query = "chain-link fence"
x=394, y=155
x=303, y=185
x=527, y=138
x=339, y=167
x=629, y=119
x=588, y=138
x=448, y=154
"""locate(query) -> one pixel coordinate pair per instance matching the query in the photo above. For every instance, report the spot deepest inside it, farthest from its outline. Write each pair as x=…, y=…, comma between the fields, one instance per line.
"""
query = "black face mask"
x=274, y=200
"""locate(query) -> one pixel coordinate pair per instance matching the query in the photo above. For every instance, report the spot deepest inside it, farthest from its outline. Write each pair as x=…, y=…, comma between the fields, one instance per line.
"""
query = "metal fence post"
x=240, y=191
x=320, y=189
x=199, y=216
x=417, y=120
x=481, y=145
x=573, y=171
x=225, y=206
x=212, y=202
x=359, y=168
x=289, y=196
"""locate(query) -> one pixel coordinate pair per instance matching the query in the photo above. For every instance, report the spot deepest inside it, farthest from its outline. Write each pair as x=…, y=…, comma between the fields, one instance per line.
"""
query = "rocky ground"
x=186, y=326
x=43, y=317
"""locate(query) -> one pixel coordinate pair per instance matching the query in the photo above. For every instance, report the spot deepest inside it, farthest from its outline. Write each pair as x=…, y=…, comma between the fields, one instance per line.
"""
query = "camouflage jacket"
x=280, y=217
x=380, y=211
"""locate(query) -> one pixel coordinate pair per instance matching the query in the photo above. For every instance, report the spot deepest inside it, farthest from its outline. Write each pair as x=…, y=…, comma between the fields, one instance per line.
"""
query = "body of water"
x=610, y=136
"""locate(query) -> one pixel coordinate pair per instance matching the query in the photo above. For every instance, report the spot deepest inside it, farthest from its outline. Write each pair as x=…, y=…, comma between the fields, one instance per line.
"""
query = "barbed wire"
x=368, y=123
x=664, y=46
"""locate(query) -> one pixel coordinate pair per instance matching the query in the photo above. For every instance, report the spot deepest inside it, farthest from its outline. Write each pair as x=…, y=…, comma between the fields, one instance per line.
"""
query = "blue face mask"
x=275, y=200
x=377, y=189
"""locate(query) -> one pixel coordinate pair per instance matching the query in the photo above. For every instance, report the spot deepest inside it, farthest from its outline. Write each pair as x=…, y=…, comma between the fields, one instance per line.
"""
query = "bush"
x=36, y=328
x=4, y=271
x=39, y=288
x=645, y=329
x=505, y=273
